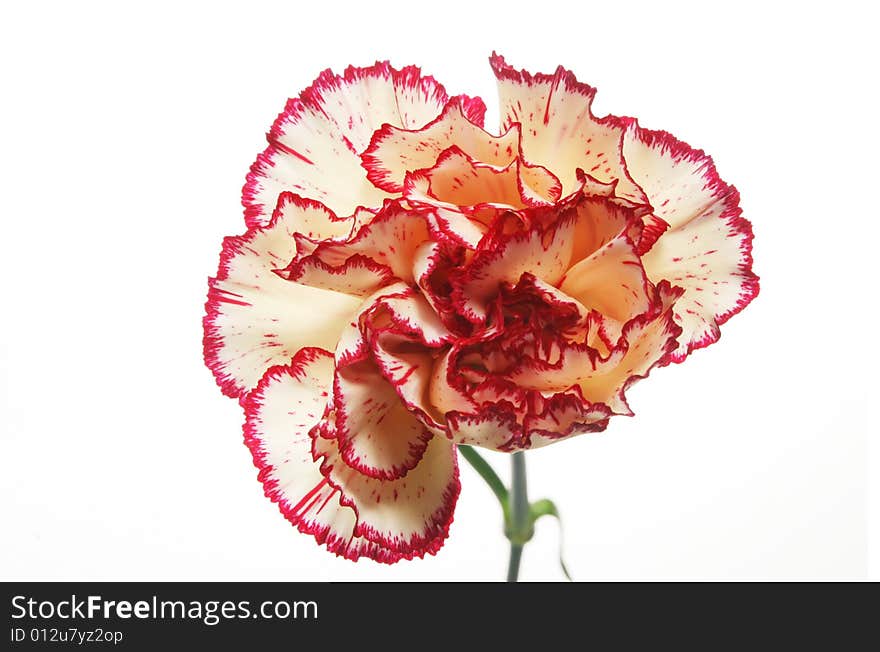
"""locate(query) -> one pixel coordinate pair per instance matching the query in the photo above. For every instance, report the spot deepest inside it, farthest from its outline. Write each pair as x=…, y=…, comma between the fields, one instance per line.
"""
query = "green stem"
x=513, y=564
x=519, y=519
x=520, y=525
x=488, y=474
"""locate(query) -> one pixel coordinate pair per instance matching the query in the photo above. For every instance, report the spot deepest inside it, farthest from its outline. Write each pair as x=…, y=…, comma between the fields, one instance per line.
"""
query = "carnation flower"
x=410, y=281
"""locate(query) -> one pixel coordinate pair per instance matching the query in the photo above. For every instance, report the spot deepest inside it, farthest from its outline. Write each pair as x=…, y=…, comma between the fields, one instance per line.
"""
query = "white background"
x=126, y=133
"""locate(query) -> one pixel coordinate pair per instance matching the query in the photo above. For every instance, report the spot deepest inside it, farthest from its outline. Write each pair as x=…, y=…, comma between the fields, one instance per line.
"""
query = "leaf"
x=547, y=507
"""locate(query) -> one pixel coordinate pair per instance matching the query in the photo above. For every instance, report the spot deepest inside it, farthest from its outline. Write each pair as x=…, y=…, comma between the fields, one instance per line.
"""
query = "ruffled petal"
x=394, y=151
x=562, y=416
x=311, y=219
x=457, y=228
x=459, y=182
x=352, y=344
x=445, y=395
x=434, y=266
x=646, y=341
x=542, y=251
x=408, y=367
x=408, y=313
x=510, y=419
x=611, y=281
x=377, y=433
x=600, y=220
x=381, y=415
x=494, y=427
x=380, y=412
x=653, y=228
x=537, y=185
x=280, y=412
x=450, y=223
x=254, y=319
x=559, y=130
x=570, y=316
x=315, y=144
x=357, y=276
x=710, y=258
x=679, y=181
x=707, y=249
x=390, y=240
x=410, y=515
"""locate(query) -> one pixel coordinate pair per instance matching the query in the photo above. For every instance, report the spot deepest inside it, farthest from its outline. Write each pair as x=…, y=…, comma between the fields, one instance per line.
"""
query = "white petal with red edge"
x=254, y=318
x=707, y=249
x=409, y=367
x=647, y=341
x=315, y=144
x=377, y=433
x=599, y=221
x=457, y=227
x=310, y=219
x=538, y=186
x=710, y=257
x=412, y=314
x=390, y=240
x=545, y=253
x=506, y=417
x=459, y=181
x=559, y=130
x=611, y=281
x=351, y=343
x=679, y=181
x=492, y=427
x=446, y=221
x=443, y=395
x=358, y=275
x=410, y=515
x=653, y=228
x=394, y=151
x=563, y=416
x=384, y=362
x=281, y=411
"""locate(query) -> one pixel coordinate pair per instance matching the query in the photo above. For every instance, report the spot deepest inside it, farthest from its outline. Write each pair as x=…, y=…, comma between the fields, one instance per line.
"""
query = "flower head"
x=410, y=281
